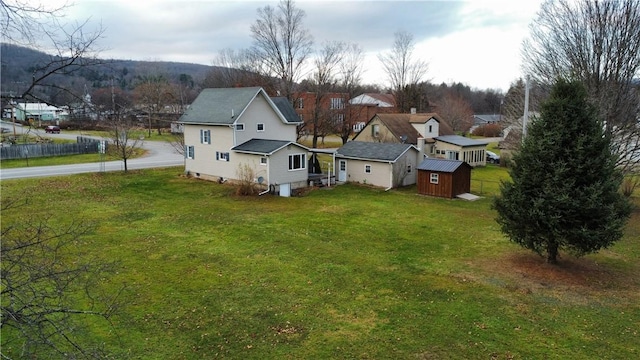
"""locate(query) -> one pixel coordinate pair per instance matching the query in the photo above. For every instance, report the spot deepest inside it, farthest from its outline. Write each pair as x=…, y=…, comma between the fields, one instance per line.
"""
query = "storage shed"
x=443, y=178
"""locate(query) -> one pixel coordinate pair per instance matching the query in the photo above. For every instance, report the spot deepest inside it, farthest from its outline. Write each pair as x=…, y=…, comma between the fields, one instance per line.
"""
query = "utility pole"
x=525, y=117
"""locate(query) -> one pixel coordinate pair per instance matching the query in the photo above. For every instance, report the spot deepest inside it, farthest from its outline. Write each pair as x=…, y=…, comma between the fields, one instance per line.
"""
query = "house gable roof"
x=460, y=140
x=486, y=118
x=400, y=125
x=286, y=109
x=387, y=152
x=381, y=100
x=224, y=106
x=441, y=165
x=264, y=146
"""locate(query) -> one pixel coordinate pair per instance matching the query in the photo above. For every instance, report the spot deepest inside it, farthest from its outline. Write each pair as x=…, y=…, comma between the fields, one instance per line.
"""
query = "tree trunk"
x=552, y=253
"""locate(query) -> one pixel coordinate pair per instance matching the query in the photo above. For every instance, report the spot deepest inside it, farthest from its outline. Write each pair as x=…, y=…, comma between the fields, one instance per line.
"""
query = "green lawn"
x=63, y=160
x=349, y=272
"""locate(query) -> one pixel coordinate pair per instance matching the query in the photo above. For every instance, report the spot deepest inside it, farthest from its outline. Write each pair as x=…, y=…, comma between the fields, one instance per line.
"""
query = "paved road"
x=160, y=154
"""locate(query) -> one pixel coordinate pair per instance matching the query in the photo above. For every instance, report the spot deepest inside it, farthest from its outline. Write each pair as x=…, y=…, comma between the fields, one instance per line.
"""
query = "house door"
x=342, y=170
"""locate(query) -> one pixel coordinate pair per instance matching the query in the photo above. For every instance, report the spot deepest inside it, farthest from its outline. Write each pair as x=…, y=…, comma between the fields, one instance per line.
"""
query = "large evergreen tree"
x=564, y=189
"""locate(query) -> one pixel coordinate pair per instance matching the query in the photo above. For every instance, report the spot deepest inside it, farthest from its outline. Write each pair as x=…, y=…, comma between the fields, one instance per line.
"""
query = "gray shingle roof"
x=216, y=106
x=223, y=106
x=459, y=140
x=372, y=151
x=440, y=165
x=263, y=146
x=286, y=109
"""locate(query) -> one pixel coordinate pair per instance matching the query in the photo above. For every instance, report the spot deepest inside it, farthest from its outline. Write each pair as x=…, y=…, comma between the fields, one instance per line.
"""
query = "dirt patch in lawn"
x=529, y=273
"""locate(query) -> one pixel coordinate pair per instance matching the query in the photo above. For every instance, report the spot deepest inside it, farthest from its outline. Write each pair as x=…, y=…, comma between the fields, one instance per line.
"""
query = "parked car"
x=492, y=157
x=52, y=129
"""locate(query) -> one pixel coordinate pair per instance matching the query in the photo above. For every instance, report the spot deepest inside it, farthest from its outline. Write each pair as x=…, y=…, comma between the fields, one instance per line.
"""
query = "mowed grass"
x=342, y=273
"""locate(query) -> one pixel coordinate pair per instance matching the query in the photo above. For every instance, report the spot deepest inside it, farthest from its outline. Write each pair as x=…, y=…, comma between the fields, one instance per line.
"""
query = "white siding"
x=260, y=112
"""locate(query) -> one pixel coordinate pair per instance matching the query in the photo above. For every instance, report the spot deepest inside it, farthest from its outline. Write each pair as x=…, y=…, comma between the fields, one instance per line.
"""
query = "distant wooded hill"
x=19, y=63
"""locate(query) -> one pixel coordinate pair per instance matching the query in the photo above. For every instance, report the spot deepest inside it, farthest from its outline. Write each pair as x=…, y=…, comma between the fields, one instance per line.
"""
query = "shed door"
x=342, y=170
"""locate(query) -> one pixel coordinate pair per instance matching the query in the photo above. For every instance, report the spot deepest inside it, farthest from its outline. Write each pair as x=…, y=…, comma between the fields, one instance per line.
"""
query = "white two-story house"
x=231, y=128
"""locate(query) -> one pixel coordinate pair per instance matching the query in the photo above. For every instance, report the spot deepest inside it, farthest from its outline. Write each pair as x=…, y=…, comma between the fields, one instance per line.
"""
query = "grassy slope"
x=351, y=272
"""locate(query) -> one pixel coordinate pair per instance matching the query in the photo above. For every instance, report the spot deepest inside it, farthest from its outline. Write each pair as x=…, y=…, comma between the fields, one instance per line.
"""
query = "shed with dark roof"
x=443, y=178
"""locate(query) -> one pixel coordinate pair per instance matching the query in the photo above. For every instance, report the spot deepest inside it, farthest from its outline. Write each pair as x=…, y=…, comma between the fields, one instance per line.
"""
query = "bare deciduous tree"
x=282, y=44
x=351, y=69
x=125, y=140
x=238, y=68
x=403, y=70
x=154, y=93
x=49, y=286
x=597, y=43
x=456, y=111
x=33, y=25
x=323, y=82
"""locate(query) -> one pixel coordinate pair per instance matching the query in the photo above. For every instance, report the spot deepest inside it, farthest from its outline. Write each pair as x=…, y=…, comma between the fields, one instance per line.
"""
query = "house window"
x=205, y=136
x=434, y=178
x=222, y=156
x=453, y=155
x=301, y=117
x=337, y=103
x=189, y=152
x=260, y=127
x=297, y=161
x=263, y=160
x=430, y=128
x=375, y=130
x=300, y=103
x=367, y=169
x=409, y=169
x=338, y=119
x=240, y=127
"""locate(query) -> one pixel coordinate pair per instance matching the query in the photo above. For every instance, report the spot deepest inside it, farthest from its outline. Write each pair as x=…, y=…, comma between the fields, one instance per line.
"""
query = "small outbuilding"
x=443, y=177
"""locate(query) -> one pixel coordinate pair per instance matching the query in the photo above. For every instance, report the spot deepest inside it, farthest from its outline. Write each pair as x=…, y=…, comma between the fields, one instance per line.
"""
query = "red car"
x=52, y=129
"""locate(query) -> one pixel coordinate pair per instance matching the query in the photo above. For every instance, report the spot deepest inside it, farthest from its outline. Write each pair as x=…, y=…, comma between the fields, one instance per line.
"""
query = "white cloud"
x=476, y=42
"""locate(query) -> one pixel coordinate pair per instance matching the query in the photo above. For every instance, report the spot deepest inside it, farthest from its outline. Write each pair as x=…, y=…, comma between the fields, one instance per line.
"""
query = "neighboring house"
x=332, y=108
x=228, y=129
x=443, y=178
x=440, y=141
x=456, y=147
x=379, y=164
x=403, y=128
x=366, y=105
x=479, y=120
x=36, y=111
x=373, y=99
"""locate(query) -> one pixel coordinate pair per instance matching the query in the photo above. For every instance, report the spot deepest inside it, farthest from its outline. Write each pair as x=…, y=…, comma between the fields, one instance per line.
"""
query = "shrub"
x=246, y=184
x=489, y=130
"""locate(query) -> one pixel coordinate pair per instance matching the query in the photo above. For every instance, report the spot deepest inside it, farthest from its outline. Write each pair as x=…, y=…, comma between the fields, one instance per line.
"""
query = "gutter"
x=390, y=177
x=268, y=182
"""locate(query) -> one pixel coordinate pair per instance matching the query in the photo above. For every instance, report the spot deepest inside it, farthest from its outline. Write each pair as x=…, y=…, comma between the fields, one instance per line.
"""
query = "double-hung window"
x=367, y=169
x=434, y=178
x=222, y=156
x=189, y=152
x=297, y=162
x=205, y=136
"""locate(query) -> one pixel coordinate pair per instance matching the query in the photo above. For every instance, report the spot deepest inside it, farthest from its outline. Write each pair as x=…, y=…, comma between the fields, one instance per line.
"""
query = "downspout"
x=390, y=178
x=268, y=182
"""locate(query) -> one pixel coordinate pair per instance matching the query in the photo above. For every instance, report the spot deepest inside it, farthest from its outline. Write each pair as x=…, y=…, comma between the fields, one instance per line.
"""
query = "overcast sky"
x=475, y=42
